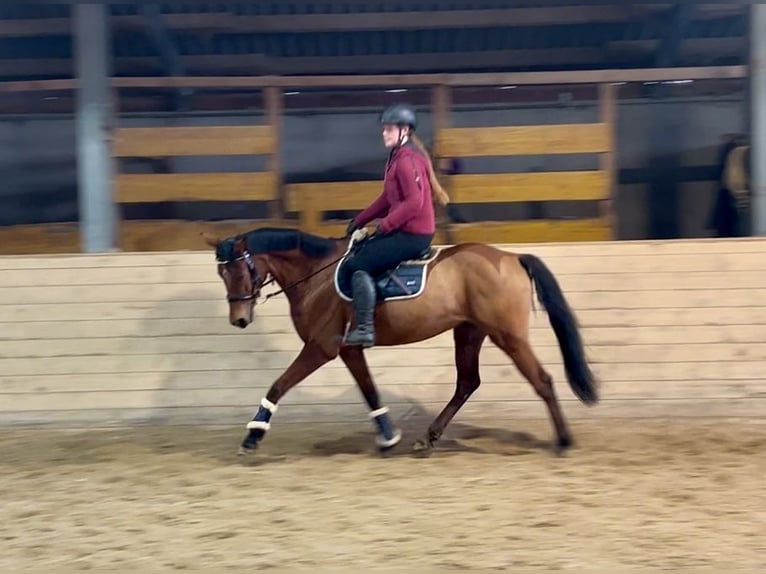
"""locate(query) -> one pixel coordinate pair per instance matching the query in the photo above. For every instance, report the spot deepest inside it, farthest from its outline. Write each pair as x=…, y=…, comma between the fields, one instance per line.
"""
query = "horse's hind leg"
x=519, y=350
x=388, y=435
x=468, y=340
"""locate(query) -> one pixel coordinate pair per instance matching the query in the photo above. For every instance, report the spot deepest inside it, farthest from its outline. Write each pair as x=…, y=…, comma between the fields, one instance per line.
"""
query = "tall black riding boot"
x=363, y=292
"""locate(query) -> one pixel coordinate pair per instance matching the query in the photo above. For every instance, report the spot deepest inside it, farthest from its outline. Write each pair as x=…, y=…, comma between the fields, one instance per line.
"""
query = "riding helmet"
x=400, y=115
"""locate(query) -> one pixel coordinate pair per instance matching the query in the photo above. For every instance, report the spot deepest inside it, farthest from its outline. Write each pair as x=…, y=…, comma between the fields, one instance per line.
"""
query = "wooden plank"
x=161, y=294
x=497, y=386
x=60, y=357
x=538, y=186
x=135, y=235
x=523, y=140
x=271, y=333
x=313, y=413
x=532, y=231
x=598, y=280
x=706, y=254
x=192, y=141
x=50, y=238
x=279, y=353
x=479, y=413
x=165, y=376
x=210, y=318
x=330, y=196
x=155, y=187
x=169, y=235
x=340, y=396
x=404, y=80
x=624, y=256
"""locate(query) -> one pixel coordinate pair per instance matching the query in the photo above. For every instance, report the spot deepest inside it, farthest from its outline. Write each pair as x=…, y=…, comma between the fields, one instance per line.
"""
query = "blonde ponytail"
x=437, y=191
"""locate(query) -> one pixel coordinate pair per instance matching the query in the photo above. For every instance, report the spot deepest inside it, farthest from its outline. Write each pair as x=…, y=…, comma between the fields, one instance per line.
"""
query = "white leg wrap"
x=390, y=442
x=378, y=412
x=258, y=425
x=268, y=405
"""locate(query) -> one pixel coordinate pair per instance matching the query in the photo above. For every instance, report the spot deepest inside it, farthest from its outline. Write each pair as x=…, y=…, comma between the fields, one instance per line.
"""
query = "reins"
x=352, y=244
x=299, y=281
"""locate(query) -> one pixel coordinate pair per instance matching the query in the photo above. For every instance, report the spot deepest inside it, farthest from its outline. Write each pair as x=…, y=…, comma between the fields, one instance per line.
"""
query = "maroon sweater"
x=405, y=204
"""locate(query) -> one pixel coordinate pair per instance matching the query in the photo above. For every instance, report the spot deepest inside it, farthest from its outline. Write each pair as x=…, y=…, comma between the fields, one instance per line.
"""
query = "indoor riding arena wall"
x=672, y=328
x=666, y=473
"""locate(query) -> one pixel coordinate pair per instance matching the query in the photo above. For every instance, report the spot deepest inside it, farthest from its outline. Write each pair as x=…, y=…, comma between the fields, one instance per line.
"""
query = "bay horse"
x=474, y=289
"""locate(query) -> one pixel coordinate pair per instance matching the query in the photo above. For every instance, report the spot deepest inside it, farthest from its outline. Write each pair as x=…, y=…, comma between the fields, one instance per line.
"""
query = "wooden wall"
x=673, y=328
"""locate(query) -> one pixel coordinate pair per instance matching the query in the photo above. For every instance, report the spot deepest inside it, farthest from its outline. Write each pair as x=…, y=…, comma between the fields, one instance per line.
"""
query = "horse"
x=475, y=289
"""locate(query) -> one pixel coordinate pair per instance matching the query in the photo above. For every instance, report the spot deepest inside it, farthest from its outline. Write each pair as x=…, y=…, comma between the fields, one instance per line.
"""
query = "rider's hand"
x=352, y=226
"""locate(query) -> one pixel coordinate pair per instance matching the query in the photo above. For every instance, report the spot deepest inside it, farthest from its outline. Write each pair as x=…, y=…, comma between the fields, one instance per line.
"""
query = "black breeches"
x=383, y=252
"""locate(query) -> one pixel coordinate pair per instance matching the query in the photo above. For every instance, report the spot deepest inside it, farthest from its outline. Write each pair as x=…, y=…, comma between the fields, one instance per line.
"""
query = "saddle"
x=405, y=281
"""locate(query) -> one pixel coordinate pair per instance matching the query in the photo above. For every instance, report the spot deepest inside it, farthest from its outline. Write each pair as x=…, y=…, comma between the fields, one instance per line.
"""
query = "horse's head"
x=243, y=275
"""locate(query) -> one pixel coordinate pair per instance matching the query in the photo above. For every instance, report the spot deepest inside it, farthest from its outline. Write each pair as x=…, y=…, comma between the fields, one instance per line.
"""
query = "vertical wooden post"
x=440, y=108
x=310, y=215
x=608, y=116
x=273, y=99
x=113, y=125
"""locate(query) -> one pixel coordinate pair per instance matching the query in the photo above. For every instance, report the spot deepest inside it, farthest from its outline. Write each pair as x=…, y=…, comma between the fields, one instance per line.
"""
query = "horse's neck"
x=295, y=272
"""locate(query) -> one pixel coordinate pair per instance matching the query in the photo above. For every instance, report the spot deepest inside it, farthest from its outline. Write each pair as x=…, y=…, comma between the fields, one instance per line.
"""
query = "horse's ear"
x=212, y=240
x=240, y=246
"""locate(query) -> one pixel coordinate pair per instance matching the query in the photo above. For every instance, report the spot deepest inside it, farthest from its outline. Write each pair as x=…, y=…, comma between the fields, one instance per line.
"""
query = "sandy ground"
x=645, y=493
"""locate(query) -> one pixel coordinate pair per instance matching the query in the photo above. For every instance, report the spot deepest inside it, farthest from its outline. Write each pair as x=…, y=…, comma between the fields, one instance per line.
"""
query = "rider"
x=405, y=211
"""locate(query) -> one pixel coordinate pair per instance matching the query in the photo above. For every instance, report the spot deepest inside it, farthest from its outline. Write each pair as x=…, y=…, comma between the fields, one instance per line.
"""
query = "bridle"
x=258, y=282
x=255, y=278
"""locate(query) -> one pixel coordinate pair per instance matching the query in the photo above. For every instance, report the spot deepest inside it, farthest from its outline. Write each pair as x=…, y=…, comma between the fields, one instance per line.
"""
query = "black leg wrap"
x=388, y=435
x=258, y=426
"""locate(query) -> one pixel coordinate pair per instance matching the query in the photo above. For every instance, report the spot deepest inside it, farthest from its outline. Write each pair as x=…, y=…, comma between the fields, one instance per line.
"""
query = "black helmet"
x=400, y=115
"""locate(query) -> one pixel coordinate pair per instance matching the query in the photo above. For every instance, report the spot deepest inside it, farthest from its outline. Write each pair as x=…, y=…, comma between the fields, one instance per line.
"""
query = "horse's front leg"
x=308, y=360
x=388, y=435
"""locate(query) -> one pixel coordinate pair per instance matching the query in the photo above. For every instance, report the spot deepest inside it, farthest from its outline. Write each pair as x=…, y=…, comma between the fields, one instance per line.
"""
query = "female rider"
x=405, y=211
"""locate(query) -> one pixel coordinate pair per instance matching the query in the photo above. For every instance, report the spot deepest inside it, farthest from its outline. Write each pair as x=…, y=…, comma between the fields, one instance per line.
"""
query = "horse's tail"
x=565, y=326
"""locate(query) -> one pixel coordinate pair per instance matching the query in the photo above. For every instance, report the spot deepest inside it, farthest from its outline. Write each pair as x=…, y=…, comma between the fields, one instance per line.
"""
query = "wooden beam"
x=350, y=22
x=274, y=103
x=190, y=141
x=400, y=80
x=332, y=196
x=608, y=161
x=535, y=231
x=259, y=64
x=383, y=63
x=414, y=20
x=134, y=235
x=156, y=187
x=533, y=186
x=524, y=140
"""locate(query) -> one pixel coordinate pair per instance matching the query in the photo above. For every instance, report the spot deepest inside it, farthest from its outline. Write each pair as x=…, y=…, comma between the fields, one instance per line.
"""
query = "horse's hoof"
x=246, y=450
x=562, y=446
x=422, y=448
x=385, y=451
x=386, y=446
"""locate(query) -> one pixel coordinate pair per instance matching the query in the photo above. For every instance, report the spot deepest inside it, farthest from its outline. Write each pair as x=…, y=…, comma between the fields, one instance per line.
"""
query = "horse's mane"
x=274, y=239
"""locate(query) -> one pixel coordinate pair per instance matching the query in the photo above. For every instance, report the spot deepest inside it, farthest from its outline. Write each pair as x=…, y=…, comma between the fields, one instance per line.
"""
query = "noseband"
x=255, y=279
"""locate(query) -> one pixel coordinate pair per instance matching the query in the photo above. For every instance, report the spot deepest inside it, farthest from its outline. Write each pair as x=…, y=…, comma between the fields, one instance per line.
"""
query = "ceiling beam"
x=723, y=74
x=368, y=21
x=614, y=54
x=260, y=64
